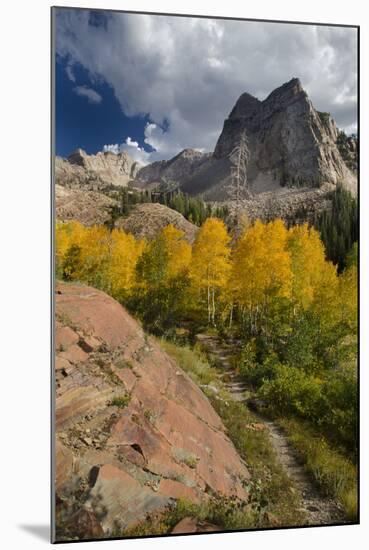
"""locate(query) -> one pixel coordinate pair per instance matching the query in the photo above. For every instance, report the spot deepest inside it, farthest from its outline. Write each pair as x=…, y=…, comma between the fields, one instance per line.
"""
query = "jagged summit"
x=95, y=172
x=289, y=141
x=245, y=107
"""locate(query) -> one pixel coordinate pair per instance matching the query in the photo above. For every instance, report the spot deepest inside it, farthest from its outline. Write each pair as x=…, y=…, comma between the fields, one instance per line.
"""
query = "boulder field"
x=133, y=432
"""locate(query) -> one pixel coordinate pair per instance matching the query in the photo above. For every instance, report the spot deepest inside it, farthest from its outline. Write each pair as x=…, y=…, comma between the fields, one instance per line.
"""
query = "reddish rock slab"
x=126, y=376
x=95, y=313
x=65, y=337
x=126, y=499
x=61, y=363
x=183, y=390
x=192, y=525
x=79, y=401
x=175, y=489
x=218, y=463
x=64, y=462
x=167, y=443
x=74, y=354
x=186, y=525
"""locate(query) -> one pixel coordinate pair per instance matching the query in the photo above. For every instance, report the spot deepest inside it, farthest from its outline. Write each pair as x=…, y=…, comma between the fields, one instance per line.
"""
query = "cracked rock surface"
x=133, y=432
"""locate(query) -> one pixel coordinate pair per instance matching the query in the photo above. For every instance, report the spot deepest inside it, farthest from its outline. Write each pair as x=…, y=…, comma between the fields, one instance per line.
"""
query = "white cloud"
x=92, y=95
x=154, y=137
x=112, y=148
x=70, y=74
x=185, y=74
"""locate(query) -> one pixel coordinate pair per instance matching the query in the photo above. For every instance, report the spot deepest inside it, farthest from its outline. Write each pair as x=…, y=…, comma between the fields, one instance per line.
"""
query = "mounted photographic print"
x=205, y=315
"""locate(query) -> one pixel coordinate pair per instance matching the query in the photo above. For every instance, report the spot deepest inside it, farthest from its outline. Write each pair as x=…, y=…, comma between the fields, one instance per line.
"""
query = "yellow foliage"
x=97, y=256
x=326, y=296
x=210, y=255
x=178, y=251
x=210, y=265
x=261, y=266
x=267, y=263
x=66, y=234
x=121, y=268
x=308, y=261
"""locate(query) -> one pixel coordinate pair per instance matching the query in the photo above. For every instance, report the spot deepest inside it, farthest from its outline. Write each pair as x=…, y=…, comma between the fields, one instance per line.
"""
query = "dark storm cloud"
x=190, y=72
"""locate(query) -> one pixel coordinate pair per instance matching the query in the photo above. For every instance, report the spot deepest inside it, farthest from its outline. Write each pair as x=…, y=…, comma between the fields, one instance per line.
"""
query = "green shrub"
x=121, y=401
x=341, y=403
x=253, y=372
x=293, y=391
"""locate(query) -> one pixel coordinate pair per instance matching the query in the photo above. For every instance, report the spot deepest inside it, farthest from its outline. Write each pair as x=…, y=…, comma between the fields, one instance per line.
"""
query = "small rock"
x=312, y=508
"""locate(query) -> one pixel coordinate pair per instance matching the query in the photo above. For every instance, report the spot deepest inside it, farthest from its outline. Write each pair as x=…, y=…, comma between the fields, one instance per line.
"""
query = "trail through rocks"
x=319, y=510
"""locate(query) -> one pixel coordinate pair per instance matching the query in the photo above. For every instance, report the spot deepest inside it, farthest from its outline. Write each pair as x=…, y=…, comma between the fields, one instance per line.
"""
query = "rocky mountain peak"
x=96, y=172
x=289, y=141
x=77, y=157
x=245, y=107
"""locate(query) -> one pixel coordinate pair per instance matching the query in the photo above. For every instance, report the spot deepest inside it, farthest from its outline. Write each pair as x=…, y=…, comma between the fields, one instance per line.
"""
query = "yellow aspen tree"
x=261, y=270
x=66, y=234
x=278, y=261
x=95, y=254
x=177, y=249
x=120, y=273
x=326, y=297
x=210, y=265
x=308, y=261
x=69, y=238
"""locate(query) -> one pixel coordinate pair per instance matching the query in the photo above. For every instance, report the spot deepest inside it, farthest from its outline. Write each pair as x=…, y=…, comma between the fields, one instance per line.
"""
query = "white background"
x=24, y=271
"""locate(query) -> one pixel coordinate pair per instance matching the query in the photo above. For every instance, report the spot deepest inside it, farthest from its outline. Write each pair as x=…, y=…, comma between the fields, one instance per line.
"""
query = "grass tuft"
x=120, y=401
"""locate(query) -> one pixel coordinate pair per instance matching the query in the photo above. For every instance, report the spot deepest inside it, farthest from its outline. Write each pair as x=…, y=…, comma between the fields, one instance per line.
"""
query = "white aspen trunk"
x=209, y=313
x=213, y=305
x=231, y=316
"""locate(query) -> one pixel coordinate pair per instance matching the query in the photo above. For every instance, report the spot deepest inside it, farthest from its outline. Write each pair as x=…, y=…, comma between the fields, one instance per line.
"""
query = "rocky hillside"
x=87, y=207
x=147, y=220
x=178, y=169
x=95, y=172
x=133, y=432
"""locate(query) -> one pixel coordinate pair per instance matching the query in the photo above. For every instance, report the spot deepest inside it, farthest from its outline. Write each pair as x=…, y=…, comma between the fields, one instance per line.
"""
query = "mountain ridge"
x=294, y=154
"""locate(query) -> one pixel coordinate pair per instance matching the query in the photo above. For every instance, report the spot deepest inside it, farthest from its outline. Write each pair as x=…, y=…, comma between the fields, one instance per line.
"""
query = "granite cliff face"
x=95, y=172
x=133, y=432
x=288, y=142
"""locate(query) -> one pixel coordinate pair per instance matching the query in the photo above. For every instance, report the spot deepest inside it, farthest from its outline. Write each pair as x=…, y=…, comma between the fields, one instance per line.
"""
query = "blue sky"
x=154, y=85
x=89, y=122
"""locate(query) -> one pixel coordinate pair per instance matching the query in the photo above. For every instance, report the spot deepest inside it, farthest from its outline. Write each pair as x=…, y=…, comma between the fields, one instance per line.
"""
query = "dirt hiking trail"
x=319, y=510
